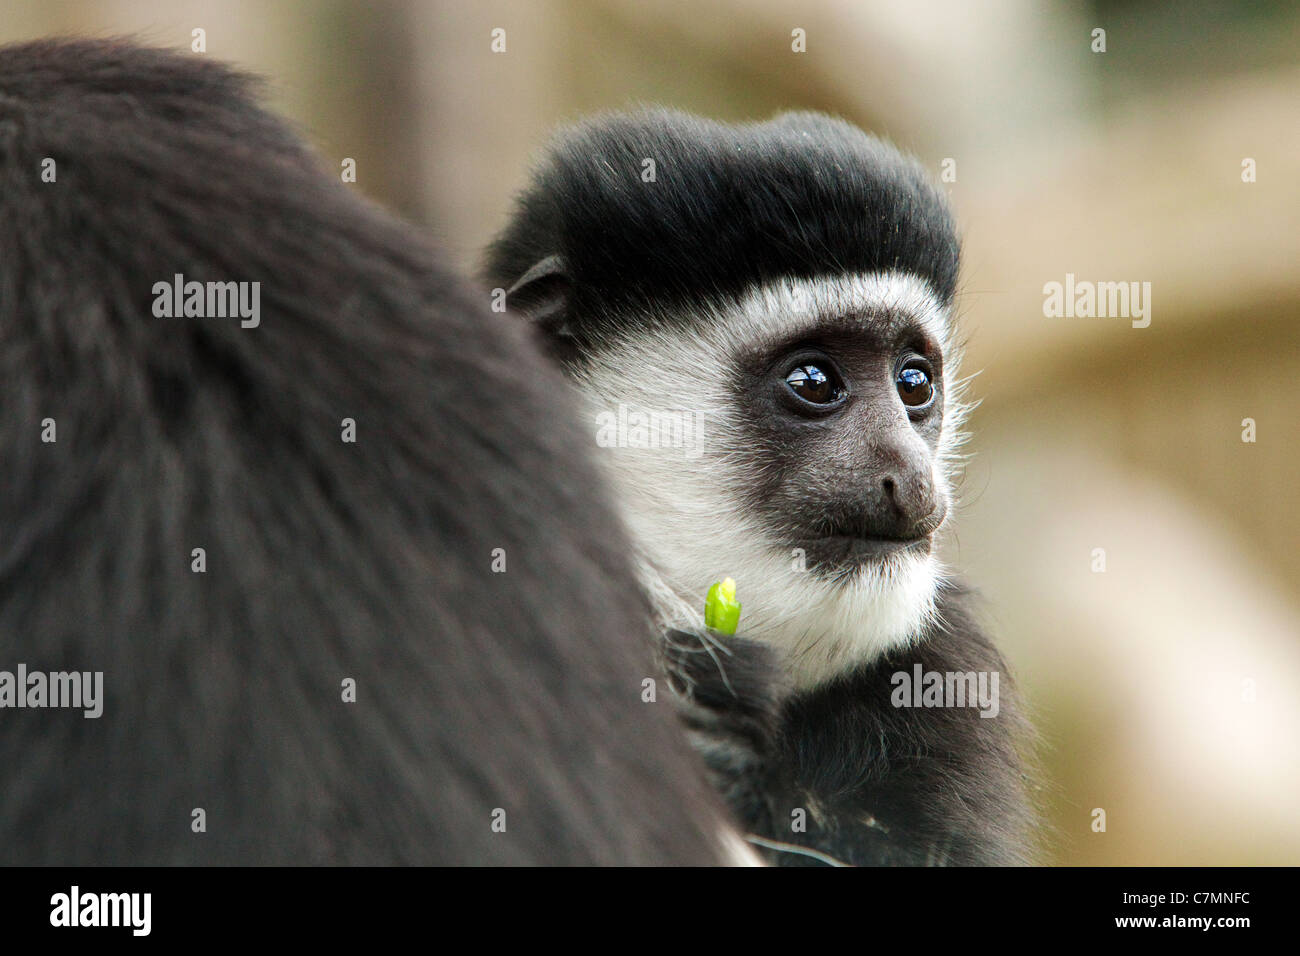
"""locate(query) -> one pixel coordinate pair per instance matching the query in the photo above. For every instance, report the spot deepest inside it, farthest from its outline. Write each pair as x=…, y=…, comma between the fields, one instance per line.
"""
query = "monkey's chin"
x=827, y=624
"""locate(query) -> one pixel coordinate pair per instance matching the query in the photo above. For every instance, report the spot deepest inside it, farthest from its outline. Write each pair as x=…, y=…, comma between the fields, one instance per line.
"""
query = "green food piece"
x=721, y=609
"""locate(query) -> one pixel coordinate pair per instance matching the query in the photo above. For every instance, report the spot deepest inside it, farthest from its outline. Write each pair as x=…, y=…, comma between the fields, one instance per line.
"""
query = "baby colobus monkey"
x=343, y=567
x=762, y=314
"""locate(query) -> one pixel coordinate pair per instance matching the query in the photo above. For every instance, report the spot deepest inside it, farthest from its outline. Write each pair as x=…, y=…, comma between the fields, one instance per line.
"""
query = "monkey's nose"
x=912, y=506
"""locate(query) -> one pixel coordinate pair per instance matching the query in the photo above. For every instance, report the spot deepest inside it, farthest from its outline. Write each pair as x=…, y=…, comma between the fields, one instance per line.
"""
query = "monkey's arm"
x=729, y=691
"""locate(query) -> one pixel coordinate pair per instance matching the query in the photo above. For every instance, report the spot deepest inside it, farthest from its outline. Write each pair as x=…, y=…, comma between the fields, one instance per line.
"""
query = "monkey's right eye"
x=815, y=384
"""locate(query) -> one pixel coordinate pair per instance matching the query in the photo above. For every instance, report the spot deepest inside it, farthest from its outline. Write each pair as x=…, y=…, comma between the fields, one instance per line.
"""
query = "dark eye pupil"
x=914, y=387
x=813, y=384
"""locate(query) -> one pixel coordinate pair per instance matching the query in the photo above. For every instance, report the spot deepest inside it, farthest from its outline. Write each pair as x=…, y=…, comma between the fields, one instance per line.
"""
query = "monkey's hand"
x=730, y=691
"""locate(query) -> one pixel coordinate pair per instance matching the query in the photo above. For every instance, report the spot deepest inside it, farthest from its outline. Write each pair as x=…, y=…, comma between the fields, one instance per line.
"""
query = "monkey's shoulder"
x=912, y=759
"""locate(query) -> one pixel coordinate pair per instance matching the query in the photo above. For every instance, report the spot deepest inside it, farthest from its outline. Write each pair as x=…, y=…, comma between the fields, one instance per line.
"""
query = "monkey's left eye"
x=914, y=386
x=816, y=384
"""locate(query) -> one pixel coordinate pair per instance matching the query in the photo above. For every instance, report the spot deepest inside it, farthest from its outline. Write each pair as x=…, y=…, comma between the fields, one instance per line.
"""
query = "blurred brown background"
x=1167, y=688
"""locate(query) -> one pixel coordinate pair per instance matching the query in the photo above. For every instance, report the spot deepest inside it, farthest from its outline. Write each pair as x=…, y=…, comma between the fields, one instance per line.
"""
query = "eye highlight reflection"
x=815, y=384
x=914, y=386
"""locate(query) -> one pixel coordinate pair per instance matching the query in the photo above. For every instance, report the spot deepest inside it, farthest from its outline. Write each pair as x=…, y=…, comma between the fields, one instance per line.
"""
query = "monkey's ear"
x=542, y=294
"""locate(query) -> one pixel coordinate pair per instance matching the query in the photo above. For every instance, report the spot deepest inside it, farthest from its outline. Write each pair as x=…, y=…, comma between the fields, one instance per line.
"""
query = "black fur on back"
x=325, y=560
x=802, y=195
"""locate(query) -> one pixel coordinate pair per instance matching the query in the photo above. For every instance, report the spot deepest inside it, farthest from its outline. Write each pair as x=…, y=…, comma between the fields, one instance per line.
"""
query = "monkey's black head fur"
x=802, y=195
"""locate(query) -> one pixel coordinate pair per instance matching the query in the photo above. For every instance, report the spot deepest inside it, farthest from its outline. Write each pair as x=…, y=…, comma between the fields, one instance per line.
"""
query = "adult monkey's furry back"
x=324, y=560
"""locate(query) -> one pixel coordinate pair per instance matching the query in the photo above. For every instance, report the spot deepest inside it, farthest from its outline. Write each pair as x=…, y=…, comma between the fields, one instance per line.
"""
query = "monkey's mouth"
x=839, y=552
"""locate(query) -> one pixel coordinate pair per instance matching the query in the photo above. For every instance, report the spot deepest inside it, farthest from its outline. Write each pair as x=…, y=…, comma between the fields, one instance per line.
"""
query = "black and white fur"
x=475, y=691
x=680, y=293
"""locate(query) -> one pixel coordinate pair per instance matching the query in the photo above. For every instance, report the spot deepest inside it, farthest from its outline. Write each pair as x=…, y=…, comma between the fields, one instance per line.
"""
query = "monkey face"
x=848, y=415
x=825, y=419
